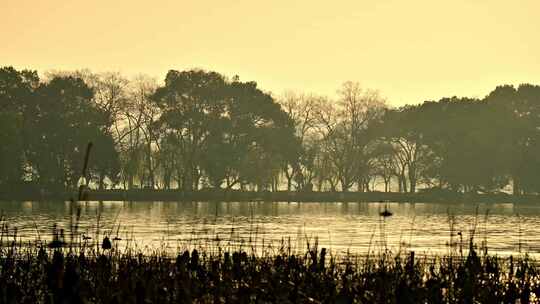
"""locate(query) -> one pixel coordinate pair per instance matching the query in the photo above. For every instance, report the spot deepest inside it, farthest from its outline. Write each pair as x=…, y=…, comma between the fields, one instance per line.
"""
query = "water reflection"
x=354, y=227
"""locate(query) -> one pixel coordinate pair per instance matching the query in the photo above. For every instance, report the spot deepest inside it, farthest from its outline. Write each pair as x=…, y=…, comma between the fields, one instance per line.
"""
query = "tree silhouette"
x=200, y=129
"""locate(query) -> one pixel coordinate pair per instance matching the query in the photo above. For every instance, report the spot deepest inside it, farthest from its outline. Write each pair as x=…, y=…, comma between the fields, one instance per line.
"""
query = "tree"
x=405, y=129
x=222, y=129
x=16, y=97
x=384, y=162
x=519, y=111
x=346, y=133
x=64, y=121
x=110, y=98
x=189, y=101
x=465, y=135
x=299, y=164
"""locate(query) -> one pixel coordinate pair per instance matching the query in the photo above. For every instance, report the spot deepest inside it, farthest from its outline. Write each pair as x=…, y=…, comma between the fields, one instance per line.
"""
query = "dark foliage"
x=58, y=276
x=201, y=130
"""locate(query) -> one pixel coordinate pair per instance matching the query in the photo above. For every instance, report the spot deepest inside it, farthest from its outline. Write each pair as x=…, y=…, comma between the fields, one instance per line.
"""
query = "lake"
x=342, y=227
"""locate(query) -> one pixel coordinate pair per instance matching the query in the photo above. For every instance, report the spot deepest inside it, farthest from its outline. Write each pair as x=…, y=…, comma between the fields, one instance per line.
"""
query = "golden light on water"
x=341, y=227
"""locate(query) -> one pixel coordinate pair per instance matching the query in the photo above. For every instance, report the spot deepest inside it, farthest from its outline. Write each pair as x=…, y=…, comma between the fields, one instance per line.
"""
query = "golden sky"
x=411, y=50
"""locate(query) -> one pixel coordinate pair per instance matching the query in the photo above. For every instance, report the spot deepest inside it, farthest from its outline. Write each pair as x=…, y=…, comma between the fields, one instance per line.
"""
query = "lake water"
x=341, y=227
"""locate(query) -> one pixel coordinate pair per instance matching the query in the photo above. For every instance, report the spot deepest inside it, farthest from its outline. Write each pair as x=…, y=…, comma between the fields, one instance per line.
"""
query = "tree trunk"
x=101, y=181
x=412, y=187
x=130, y=181
x=403, y=182
x=516, y=189
x=289, y=182
x=412, y=178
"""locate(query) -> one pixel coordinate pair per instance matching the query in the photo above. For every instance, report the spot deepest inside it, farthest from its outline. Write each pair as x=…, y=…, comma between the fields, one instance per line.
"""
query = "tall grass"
x=224, y=271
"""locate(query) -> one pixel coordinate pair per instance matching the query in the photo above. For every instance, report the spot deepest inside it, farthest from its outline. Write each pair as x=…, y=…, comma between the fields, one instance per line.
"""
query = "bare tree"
x=138, y=134
x=302, y=109
x=345, y=129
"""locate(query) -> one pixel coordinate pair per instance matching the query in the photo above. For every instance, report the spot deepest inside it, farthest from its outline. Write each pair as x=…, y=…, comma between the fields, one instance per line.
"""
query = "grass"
x=216, y=272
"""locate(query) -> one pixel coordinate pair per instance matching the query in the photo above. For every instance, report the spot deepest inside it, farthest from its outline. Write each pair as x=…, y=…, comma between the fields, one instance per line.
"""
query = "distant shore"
x=279, y=196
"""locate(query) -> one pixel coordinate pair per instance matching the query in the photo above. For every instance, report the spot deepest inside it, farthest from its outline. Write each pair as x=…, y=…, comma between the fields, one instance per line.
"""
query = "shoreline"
x=279, y=196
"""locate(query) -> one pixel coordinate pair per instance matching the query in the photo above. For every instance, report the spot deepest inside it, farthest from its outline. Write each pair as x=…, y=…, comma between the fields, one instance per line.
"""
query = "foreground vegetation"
x=64, y=275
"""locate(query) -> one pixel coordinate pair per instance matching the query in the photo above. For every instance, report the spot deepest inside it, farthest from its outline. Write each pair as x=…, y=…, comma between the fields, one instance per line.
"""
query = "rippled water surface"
x=354, y=227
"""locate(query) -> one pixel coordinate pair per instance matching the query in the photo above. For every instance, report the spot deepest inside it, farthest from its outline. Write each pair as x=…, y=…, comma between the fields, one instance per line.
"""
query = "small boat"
x=386, y=212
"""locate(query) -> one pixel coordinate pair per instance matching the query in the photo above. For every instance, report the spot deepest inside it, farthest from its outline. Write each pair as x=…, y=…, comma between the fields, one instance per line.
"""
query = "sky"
x=410, y=50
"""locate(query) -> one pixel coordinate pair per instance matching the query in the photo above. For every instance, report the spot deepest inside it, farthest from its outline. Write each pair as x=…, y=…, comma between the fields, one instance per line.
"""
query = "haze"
x=410, y=50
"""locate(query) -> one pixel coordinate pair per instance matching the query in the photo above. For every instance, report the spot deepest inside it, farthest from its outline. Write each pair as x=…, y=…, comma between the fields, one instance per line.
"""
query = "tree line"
x=199, y=129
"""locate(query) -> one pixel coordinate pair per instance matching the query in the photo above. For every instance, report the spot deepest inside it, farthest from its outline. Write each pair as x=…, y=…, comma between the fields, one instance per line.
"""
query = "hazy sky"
x=411, y=50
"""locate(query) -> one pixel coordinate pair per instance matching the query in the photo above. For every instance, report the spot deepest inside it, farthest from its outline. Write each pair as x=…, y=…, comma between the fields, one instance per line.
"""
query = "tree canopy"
x=200, y=129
